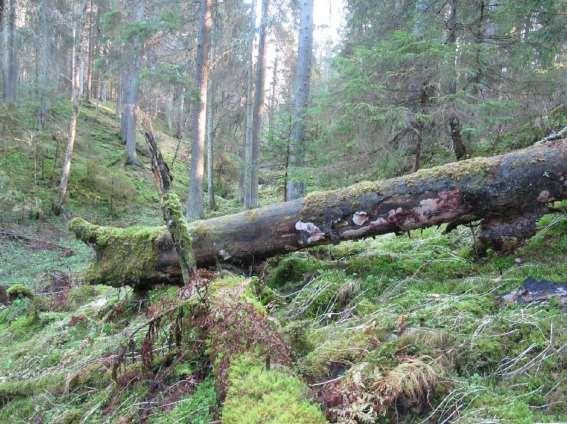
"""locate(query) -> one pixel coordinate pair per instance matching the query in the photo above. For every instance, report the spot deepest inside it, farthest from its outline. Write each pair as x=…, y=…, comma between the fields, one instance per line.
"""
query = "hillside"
x=406, y=328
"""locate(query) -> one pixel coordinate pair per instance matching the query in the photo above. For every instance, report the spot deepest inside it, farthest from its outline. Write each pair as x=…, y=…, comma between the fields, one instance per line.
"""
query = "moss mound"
x=258, y=395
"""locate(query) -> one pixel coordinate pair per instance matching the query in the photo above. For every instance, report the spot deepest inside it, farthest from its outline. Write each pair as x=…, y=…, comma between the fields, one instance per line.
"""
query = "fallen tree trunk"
x=507, y=193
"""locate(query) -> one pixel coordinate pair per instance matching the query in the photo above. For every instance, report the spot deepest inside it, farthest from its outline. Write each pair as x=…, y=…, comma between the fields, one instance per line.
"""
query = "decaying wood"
x=506, y=193
x=172, y=214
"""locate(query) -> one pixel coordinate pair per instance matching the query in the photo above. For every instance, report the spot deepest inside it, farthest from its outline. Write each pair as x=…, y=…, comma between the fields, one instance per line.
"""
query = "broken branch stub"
x=506, y=193
x=172, y=212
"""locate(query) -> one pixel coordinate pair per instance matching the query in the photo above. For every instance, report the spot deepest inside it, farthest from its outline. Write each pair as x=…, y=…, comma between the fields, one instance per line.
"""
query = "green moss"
x=473, y=169
x=230, y=289
x=19, y=410
x=82, y=294
x=326, y=293
x=18, y=291
x=257, y=395
x=338, y=348
x=70, y=416
x=10, y=390
x=198, y=408
x=289, y=272
x=477, y=167
x=126, y=256
x=163, y=294
x=179, y=229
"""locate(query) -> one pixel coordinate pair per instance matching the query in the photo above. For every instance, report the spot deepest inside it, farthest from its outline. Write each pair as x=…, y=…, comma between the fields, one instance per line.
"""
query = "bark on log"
x=500, y=189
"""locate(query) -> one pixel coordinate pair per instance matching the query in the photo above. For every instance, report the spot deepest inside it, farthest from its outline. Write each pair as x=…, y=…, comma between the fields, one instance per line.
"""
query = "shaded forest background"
x=409, y=84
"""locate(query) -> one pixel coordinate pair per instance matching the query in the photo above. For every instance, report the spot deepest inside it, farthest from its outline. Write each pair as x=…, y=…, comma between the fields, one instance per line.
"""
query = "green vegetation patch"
x=258, y=395
x=198, y=408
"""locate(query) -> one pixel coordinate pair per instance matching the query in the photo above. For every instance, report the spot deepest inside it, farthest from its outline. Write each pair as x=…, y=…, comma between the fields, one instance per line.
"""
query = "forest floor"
x=409, y=328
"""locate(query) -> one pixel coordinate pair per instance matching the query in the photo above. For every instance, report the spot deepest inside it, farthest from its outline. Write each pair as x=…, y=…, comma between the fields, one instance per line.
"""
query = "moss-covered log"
x=502, y=191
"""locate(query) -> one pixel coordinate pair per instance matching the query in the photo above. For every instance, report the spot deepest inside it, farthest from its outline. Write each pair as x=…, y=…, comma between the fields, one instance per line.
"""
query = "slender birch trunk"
x=76, y=100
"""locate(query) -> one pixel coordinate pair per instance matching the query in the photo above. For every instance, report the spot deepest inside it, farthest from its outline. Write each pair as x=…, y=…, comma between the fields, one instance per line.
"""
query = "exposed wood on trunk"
x=496, y=190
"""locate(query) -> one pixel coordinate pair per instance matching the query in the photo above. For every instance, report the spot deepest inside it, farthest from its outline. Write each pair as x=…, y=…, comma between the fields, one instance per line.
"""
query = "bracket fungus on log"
x=507, y=193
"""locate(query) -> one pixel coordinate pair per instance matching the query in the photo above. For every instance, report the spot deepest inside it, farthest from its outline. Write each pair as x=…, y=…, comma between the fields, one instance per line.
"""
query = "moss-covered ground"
x=406, y=328
x=362, y=313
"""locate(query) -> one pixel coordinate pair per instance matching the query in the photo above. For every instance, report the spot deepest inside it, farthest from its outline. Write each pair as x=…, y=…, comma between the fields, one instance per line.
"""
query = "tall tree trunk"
x=199, y=113
x=3, y=44
x=132, y=87
x=89, y=76
x=120, y=90
x=418, y=130
x=210, y=150
x=507, y=193
x=422, y=13
x=478, y=76
x=246, y=181
x=453, y=118
x=419, y=83
x=178, y=108
x=129, y=111
x=296, y=181
x=44, y=46
x=2, y=73
x=251, y=191
x=1, y=13
x=273, y=97
x=10, y=59
x=76, y=100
